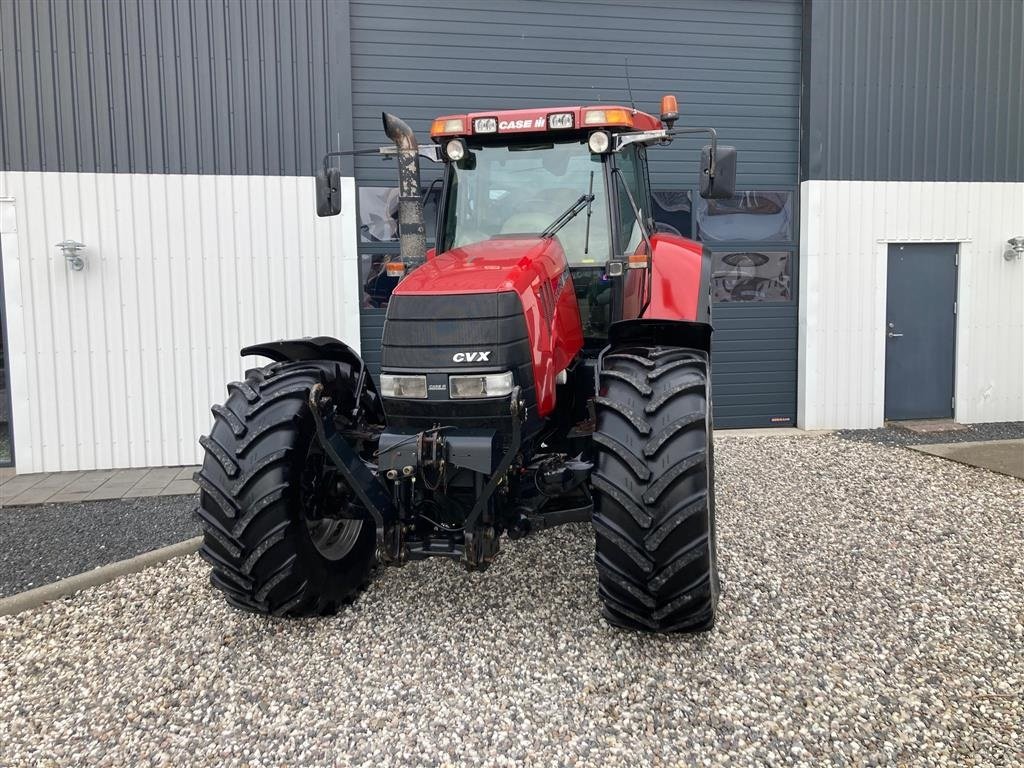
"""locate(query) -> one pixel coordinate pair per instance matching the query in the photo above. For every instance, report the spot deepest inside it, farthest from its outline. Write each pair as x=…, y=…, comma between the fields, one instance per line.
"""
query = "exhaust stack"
x=412, y=232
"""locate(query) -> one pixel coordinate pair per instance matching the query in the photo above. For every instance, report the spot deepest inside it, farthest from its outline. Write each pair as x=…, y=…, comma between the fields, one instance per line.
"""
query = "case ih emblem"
x=471, y=357
x=521, y=125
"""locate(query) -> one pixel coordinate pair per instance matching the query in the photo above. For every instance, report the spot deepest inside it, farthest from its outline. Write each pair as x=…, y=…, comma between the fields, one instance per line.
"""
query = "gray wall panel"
x=169, y=86
x=733, y=65
x=917, y=90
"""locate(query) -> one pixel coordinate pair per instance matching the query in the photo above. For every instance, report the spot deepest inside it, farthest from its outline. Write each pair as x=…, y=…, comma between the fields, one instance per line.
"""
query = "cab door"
x=631, y=169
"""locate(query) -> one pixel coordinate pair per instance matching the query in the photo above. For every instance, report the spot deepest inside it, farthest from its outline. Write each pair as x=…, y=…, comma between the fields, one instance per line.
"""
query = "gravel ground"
x=1004, y=430
x=46, y=542
x=873, y=613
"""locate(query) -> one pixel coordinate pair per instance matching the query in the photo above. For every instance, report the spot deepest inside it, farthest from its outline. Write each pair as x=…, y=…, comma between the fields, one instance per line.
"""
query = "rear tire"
x=264, y=487
x=653, y=490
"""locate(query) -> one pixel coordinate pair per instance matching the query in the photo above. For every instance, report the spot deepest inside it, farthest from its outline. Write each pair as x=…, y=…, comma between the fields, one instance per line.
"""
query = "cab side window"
x=632, y=174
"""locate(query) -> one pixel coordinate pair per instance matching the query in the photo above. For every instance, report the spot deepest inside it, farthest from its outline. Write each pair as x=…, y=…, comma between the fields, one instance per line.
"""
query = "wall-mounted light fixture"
x=1016, y=249
x=69, y=250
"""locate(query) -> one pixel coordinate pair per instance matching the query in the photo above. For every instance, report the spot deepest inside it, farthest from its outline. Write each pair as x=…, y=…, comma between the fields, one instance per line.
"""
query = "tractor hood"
x=512, y=263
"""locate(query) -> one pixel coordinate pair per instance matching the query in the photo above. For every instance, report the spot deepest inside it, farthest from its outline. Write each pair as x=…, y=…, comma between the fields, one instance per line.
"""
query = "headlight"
x=599, y=142
x=480, y=385
x=485, y=125
x=560, y=120
x=455, y=149
x=403, y=386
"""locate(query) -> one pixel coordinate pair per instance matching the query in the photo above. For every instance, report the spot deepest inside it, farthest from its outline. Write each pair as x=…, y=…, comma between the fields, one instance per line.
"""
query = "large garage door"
x=734, y=65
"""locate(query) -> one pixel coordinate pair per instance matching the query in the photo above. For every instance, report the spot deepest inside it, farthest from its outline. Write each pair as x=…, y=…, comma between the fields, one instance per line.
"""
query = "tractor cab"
x=537, y=172
x=578, y=174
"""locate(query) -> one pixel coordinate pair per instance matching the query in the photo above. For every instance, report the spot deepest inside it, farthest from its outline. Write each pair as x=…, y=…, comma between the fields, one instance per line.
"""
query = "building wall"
x=914, y=90
x=177, y=141
x=846, y=227
x=912, y=118
x=161, y=86
x=117, y=365
x=733, y=64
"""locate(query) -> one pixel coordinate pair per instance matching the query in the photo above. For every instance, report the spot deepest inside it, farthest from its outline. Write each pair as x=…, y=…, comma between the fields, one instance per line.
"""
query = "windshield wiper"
x=590, y=210
x=567, y=215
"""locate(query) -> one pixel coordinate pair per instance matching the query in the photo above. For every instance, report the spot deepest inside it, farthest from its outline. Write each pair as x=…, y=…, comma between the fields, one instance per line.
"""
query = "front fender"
x=680, y=280
x=306, y=348
x=317, y=348
x=652, y=332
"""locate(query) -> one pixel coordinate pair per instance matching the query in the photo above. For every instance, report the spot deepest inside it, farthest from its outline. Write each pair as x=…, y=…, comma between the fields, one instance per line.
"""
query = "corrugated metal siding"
x=846, y=228
x=915, y=90
x=160, y=86
x=733, y=65
x=754, y=352
x=117, y=365
x=371, y=325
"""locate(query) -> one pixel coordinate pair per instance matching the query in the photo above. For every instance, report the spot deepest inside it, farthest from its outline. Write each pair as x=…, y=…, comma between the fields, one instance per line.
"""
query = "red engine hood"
x=490, y=266
x=536, y=269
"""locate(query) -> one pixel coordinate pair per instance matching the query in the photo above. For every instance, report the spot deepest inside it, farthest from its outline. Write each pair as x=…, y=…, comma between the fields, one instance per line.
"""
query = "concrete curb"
x=33, y=598
x=772, y=432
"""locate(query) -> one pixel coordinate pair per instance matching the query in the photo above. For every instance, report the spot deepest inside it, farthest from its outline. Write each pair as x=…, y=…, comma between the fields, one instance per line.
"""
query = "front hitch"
x=482, y=541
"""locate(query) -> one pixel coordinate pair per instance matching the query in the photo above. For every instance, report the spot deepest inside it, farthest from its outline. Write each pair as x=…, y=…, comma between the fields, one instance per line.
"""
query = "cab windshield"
x=521, y=189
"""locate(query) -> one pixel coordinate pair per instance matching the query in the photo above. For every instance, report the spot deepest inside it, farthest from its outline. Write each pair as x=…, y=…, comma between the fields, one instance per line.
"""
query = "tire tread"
x=653, y=497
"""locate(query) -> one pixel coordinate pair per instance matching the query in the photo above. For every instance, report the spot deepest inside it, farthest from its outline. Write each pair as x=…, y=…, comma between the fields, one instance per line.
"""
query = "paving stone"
x=89, y=481
x=19, y=484
x=179, y=487
x=43, y=490
x=186, y=473
x=67, y=496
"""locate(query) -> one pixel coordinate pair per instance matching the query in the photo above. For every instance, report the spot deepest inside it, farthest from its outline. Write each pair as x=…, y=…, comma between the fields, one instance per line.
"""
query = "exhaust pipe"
x=412, y=232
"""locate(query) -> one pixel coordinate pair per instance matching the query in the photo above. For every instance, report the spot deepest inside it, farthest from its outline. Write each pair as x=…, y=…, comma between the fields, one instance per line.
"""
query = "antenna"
x=629, y=87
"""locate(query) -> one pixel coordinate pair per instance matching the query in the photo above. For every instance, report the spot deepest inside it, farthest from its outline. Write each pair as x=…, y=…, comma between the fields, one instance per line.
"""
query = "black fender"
x=315, y=348
x=653, y=332
x=307, y=348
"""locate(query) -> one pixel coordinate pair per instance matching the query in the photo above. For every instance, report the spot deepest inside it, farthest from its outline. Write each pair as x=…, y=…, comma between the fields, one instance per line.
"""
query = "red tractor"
x=547, y=363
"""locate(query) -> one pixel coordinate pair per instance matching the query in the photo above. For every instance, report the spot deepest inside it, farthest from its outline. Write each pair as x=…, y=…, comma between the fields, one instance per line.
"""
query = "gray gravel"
x=1002, y=430
x=42, y=543
x=873, y=614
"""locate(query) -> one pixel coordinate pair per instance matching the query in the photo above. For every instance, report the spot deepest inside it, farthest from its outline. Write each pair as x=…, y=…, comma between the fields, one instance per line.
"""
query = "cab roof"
x=543, y=120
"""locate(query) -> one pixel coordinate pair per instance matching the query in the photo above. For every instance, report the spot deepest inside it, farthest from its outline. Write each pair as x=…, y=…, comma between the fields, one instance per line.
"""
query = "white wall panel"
x=846, y=227
x=117, y=365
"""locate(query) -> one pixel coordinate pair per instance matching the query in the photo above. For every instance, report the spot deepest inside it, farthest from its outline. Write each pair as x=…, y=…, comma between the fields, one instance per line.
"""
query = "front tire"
x=653, y=495
x=267, y=492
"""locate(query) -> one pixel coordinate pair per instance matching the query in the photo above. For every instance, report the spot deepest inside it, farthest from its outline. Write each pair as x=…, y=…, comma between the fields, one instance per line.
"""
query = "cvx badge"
x=471, y=357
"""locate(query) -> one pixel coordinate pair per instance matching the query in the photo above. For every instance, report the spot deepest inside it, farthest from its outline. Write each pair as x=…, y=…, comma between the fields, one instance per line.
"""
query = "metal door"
x=920, y=339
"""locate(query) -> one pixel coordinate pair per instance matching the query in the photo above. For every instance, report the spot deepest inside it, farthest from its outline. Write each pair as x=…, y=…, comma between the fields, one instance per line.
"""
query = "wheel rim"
x=334, y=538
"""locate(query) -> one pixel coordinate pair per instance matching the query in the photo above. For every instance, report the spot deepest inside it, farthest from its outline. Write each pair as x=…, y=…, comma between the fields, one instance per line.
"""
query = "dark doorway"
x=920, y=340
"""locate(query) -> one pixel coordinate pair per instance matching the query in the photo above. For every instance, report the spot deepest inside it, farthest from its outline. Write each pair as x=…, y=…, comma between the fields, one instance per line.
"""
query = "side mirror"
x=328, y=192
x=723, y=185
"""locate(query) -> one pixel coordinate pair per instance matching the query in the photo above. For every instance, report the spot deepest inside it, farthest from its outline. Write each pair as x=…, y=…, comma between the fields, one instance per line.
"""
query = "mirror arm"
x=428, y=151
x=714, y=142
